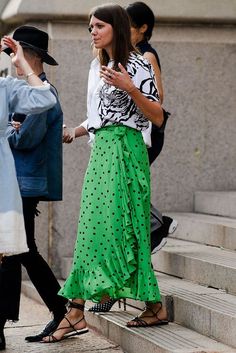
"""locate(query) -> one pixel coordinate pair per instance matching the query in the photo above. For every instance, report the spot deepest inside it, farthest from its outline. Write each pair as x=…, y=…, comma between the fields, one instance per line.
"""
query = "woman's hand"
x=19, y=61
x=17, y=54
x=68, y=134
x=2, y=45
x=120, y=79
x=151, y=110
x=16, y=125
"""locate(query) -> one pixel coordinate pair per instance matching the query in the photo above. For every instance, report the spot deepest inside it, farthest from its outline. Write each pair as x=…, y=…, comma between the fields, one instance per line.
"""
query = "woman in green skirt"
x=112, y=252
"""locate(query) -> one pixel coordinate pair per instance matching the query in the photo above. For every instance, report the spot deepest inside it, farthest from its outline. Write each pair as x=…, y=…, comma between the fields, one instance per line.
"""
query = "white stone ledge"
x=2, y=5
x=177, y=11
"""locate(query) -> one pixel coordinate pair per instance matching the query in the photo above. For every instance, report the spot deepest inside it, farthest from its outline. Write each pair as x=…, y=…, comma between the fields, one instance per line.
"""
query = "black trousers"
x=38, y=270
x=157, y=138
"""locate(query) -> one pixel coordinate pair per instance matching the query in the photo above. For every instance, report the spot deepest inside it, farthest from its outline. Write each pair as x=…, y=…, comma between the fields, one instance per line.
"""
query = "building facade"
x=196, y=42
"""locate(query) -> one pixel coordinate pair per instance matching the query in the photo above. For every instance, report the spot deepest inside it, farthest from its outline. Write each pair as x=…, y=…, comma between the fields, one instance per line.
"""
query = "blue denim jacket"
x=37, y=151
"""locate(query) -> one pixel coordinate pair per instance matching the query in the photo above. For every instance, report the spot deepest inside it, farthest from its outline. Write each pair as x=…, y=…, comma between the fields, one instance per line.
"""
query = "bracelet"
x=30, y=74
x=131, y=89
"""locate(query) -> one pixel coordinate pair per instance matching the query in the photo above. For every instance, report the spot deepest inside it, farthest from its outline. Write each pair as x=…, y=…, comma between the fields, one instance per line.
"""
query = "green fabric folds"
x=112, y=251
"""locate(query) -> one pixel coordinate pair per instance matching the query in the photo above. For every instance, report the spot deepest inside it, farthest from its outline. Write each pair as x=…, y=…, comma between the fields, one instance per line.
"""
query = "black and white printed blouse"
x=108, y=105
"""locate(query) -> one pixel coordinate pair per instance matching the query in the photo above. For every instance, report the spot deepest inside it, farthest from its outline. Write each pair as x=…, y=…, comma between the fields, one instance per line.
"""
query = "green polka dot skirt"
x=112, y=250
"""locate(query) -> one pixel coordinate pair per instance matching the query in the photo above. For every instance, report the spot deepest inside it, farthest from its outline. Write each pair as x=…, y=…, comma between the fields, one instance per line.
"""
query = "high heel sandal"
x=124, y=303
x=74, y=331
x=140, y=322
x=105, y=307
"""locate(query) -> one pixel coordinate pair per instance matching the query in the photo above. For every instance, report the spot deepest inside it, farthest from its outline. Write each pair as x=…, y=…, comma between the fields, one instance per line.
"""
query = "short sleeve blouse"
x=108, y=105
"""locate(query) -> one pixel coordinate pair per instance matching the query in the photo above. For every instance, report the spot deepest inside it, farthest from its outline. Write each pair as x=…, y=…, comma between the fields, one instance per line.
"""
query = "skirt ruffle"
x=112, y=251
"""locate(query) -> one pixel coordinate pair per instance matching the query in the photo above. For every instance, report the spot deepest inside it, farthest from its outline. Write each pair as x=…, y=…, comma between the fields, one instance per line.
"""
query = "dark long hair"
x=118, y=18
x=141, y=14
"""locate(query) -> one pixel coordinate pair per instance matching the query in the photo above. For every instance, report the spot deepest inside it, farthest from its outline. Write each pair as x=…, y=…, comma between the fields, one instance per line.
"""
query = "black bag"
x=162, y=127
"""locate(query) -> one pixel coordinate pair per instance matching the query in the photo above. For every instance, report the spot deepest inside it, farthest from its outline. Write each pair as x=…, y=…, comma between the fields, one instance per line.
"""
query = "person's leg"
x=73, y=323
x=156, y=221
x=160, y=230
x=2, y=337
x=154, y=314
x=45, y=282
x=39, y=271
x=167, y=225
x=10, y=287
x=37, y=268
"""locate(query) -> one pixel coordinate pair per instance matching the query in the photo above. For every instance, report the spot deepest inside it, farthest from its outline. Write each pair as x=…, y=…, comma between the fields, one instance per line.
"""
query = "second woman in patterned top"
x=112, y=252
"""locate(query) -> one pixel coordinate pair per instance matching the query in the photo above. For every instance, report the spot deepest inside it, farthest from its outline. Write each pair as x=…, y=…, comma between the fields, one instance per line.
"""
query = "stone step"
x=172, y=338
x=220, y=203
x=208, y=311
x=199, y=263
x=206, y=229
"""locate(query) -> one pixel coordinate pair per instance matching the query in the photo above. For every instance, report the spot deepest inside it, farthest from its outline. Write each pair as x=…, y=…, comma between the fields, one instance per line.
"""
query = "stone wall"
x=198, y=68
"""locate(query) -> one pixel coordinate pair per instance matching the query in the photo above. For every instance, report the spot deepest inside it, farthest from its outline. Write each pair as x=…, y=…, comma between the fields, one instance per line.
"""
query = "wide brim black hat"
x=35, y=39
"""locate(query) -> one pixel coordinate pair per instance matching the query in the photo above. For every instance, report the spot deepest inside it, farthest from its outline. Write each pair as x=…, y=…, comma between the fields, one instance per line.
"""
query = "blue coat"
x=15, y=95
x=37, y=151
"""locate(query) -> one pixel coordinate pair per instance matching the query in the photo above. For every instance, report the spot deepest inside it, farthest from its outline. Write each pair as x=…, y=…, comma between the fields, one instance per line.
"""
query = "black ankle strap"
x=154, y=313
x=76, y=305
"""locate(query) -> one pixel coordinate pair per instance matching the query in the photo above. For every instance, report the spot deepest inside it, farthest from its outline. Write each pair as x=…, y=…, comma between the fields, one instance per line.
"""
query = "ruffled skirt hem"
x=112, y=253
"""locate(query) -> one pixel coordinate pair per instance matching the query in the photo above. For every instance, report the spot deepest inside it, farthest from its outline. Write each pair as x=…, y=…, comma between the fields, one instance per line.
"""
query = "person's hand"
x=2, y=45
x=120, y=79
x=16, y=125
x=68, y=135
x=23, y=68
x=17, y=54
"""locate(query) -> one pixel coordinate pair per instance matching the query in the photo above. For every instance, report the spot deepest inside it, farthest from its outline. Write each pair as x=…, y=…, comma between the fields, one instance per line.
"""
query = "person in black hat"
x=37, y=151
x=35, y=39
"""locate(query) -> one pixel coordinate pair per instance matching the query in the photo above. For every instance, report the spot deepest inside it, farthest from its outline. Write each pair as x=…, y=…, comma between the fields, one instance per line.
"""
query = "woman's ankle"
x=76, y=308
x=152, y=306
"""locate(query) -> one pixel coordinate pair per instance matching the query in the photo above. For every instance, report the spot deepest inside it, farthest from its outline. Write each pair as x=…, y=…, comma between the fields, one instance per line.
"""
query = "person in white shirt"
x=112, y=253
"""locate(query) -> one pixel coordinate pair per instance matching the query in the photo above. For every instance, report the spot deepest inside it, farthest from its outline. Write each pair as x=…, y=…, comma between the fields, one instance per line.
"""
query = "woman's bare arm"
x=153, y=61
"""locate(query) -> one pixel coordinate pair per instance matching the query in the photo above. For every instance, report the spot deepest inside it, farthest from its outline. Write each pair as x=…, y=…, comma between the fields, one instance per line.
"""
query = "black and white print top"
x=108, y=105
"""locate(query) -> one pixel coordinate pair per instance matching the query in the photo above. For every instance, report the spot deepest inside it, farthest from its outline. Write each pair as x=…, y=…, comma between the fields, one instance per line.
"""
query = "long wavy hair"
x=118, y=18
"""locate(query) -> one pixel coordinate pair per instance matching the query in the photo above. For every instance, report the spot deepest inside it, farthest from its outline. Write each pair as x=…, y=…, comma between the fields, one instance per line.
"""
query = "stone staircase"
x=197, y=278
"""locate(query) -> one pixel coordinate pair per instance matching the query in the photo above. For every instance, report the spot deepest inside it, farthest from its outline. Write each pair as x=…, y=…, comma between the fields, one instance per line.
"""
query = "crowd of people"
x=125, y=123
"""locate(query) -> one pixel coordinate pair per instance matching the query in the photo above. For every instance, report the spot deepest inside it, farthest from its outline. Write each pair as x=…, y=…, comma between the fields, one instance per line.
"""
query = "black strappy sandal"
x=74, y=331
x=140, y=322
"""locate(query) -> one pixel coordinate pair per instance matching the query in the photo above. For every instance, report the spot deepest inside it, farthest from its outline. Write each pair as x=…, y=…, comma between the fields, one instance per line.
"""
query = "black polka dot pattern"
x=112, y=250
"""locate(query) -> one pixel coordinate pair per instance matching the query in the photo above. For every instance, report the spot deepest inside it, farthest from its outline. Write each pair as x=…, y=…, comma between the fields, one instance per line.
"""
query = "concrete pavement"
x=33, y=317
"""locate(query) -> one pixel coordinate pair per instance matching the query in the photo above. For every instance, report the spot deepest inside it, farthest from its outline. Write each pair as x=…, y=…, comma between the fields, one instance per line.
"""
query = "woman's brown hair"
x=118, y=18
